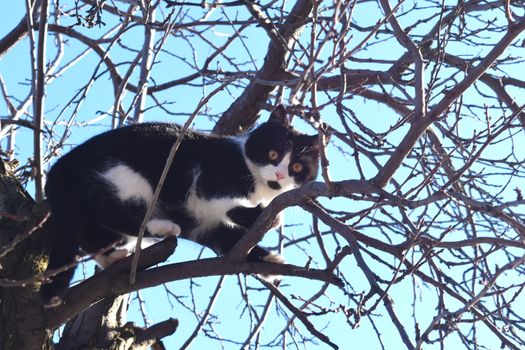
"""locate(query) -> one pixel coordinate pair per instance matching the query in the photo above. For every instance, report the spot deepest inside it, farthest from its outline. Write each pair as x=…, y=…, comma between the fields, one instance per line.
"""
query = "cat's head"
x=281, y=157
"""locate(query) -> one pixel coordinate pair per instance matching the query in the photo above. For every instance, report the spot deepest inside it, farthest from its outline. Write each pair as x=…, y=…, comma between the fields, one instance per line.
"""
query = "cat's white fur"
x=128, y=183
x=107, y=260
x=163, y=228
x=123, y=250
x=262, y=174
x=157, y=227
x=210, y=212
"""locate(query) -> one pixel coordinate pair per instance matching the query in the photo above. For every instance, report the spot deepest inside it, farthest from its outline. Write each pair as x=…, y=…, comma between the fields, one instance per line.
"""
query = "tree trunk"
x=104, y=326
x=21, y=312
x=23, y=255
x=97, y=327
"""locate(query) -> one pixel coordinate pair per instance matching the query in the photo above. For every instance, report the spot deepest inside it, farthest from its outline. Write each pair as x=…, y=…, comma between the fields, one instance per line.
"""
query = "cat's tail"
x=65, y=223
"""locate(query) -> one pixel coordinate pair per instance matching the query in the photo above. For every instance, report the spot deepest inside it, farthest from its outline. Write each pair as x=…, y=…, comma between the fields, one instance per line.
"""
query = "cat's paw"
x=272, y=258
x=163, y=228
x=258, y=254
x=106, y=260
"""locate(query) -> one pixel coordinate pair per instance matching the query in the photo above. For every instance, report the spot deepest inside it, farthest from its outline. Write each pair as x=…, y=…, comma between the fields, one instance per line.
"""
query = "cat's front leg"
x=259, y=253
x=223, y=238
x=107, y=259
x=163, y=228
x=246, y=216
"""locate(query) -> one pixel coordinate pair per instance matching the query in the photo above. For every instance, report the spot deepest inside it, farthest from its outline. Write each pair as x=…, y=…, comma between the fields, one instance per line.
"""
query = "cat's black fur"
x=215, y=189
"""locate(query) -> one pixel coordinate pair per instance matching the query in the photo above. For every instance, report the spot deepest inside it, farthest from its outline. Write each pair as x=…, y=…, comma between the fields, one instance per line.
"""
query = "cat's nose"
x=279, y=175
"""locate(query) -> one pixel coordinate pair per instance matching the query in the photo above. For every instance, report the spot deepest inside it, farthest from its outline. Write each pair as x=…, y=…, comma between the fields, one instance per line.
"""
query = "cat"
x=216, y=188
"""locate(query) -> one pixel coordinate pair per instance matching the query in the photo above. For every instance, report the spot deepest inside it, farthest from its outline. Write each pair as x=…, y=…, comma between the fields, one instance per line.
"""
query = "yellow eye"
x=273, y=155
x=297, y=167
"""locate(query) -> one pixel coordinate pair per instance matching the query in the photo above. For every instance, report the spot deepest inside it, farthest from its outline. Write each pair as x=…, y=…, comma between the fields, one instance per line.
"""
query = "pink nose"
x=279, y=175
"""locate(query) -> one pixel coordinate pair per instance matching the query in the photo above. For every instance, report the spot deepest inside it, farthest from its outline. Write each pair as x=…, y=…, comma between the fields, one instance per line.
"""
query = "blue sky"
x=232, y=320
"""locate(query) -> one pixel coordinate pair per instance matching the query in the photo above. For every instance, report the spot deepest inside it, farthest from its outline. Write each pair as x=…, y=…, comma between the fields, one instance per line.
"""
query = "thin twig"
x=173, y=151
x=204, y=317
x=38, y=160
x=299, y=314
x=146, y=63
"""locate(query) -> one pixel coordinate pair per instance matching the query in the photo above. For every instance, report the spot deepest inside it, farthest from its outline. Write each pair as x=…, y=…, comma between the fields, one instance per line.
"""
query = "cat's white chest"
x=263, y=195
x=211, y=212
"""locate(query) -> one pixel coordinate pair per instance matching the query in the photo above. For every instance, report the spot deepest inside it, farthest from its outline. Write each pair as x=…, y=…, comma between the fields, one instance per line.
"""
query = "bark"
x=96, y=327
x=21, y=312
x=104, y=326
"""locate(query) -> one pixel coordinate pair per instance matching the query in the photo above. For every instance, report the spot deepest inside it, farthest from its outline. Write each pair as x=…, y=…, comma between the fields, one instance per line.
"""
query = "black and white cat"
x=216, y=187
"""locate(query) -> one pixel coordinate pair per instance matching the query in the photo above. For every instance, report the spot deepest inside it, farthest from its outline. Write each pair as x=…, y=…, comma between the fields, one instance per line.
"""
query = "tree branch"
x=114, y=280
x=243, y=113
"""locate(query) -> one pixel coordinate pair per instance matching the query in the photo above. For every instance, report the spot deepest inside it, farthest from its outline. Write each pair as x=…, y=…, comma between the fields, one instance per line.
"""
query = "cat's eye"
x=273, y=155
x=297, y=167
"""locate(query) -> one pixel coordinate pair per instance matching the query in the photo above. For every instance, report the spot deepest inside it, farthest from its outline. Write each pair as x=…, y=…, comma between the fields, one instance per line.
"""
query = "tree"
x=412, y=237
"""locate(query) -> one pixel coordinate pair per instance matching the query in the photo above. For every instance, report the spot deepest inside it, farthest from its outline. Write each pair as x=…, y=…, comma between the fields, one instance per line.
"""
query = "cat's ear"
x=279, y=115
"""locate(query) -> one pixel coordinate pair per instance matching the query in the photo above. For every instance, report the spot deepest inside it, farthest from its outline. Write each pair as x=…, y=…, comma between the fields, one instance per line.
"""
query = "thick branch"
x=114, y=280
x=290, y=198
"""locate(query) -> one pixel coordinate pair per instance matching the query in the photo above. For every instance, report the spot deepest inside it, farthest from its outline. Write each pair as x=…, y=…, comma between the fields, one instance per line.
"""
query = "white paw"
x=273, y=258
x=163, y=228
x=107, y=260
